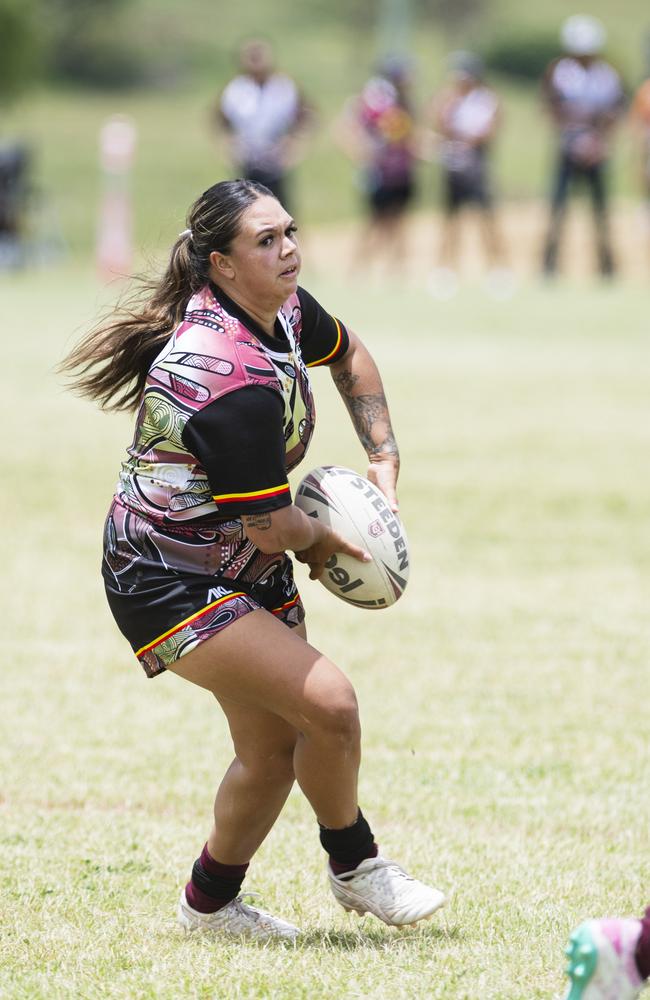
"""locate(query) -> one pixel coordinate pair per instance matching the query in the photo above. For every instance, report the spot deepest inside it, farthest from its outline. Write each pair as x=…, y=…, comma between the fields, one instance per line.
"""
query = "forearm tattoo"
x=260, y=522
x=366, y=411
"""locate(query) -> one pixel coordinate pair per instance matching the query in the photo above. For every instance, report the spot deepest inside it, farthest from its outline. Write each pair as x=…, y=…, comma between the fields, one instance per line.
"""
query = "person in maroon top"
x=195, y=545
x=377, y=131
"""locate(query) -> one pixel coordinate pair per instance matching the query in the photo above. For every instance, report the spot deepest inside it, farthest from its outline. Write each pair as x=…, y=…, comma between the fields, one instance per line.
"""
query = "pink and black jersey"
x=227, y=412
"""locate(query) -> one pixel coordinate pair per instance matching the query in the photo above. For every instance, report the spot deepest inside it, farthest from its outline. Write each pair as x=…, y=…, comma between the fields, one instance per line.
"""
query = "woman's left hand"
x=383, y=472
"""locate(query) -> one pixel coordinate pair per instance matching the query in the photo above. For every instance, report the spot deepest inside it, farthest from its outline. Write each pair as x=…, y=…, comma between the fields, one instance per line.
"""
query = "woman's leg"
x=258, y=663
x=260, y=670
x=255, y=786
x=394, y=243
x=491, y=235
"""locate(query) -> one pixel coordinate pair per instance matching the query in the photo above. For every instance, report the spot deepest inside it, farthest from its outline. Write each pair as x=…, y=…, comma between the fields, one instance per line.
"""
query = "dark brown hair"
x=111, y=363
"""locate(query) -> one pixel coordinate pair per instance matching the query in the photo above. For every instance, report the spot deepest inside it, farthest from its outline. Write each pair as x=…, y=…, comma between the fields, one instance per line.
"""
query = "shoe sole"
x=361, y=913
x=582, y=953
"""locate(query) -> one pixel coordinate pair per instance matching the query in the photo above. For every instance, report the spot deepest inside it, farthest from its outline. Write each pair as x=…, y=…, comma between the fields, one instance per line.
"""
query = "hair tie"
x=186, y=232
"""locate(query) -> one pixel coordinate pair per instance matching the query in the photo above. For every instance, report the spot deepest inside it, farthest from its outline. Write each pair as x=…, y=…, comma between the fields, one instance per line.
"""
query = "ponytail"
x=111, y=363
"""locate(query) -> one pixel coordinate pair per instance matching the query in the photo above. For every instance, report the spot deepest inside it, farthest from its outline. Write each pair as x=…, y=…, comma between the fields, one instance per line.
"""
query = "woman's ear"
x=221, y=265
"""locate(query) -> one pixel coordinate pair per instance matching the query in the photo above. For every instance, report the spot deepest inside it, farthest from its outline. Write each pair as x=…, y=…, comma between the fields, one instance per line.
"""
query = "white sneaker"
x=381, y=887
x=601, y=961
x=236, y=919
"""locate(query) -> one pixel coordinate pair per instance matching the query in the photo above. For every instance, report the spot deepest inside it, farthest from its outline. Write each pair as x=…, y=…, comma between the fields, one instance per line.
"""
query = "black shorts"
x=466, y=189
x=277, y=185
x=391, y=200
x=165, y=614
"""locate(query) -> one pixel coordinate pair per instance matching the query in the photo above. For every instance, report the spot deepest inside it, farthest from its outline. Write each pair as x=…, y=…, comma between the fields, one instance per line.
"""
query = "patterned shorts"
x=165, y=617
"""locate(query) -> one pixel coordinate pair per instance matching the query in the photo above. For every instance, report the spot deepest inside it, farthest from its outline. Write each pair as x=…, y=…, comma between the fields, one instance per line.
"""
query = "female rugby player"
x=215, y=363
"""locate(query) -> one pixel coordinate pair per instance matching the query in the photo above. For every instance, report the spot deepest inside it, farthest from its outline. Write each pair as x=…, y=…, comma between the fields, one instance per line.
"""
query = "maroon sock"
x=642, y=953
x=213, y=885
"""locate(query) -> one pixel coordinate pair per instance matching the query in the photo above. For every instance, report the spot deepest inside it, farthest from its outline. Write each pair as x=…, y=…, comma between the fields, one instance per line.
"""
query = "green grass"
x=504, y=699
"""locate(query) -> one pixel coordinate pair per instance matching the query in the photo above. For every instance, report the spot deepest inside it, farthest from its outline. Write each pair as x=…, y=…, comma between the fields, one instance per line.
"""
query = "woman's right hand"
x=320, y=551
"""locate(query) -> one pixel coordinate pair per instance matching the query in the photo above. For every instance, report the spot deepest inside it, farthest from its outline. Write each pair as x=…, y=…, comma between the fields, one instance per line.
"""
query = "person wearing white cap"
x=584, y=96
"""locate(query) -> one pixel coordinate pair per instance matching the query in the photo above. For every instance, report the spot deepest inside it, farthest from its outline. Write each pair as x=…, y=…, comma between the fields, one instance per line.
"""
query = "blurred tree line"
x=118, y=44
x=108, y=44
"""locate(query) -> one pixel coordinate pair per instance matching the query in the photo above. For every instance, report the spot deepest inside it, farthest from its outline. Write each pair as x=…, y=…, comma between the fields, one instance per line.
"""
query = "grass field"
x=504, y=699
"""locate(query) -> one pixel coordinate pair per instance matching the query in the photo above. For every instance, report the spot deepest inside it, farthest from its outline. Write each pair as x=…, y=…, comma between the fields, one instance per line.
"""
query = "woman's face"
x=264, y=261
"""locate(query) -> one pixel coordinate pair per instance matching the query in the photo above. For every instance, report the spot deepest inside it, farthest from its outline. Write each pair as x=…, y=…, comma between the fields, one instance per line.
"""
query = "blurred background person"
x=640, y=116
x=466, y=116
x=377, y=131
x=266, y=118
x=14, y=200
x=584, y=97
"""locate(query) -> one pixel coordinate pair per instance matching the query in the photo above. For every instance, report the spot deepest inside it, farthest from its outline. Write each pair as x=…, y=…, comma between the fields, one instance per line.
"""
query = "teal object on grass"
x=582, y=953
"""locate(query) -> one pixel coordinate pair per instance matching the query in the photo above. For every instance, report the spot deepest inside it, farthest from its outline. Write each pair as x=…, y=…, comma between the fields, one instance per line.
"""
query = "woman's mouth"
x=290, y=272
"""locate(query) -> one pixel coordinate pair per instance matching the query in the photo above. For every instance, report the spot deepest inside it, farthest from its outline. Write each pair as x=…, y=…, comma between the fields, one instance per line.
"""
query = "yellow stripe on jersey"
x=339, y=338
x=253, y=495
x=188, y=621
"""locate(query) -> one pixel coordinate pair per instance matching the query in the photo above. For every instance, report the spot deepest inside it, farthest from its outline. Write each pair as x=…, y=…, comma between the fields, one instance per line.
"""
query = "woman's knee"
x=273, y=764
x=333, y=713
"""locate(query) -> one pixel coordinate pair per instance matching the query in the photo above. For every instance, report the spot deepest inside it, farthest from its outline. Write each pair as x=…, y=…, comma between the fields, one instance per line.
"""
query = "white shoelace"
x=394, y=867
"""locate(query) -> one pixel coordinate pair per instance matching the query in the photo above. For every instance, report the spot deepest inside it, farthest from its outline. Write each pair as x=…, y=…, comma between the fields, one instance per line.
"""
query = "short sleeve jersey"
x=388, y=126
x=465, y=119
x=227, y=411
x=583, y=95
x=260, y=116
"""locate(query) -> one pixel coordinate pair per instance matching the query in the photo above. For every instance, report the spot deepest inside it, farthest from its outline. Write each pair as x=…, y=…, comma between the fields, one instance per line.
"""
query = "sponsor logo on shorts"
x=214, y=593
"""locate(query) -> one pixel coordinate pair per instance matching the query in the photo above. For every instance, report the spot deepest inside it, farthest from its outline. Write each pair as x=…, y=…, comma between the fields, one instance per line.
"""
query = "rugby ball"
x=359, y=511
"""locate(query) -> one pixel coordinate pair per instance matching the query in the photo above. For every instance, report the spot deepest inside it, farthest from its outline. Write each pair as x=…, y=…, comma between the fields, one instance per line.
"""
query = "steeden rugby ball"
x=358, y=510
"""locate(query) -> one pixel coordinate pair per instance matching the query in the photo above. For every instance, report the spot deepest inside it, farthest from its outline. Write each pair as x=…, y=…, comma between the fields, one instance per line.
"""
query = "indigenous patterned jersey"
x=226, y=413
x=389, y=128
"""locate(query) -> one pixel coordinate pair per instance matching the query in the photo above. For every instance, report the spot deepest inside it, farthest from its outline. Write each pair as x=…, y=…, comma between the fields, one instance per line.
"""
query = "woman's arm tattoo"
x=366, y=410
x=259, y=522
x=345, y=382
